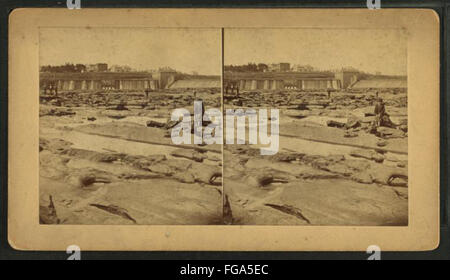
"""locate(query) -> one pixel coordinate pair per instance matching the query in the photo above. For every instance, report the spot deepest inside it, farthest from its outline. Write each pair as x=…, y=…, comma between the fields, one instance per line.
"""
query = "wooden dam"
x=123, y=81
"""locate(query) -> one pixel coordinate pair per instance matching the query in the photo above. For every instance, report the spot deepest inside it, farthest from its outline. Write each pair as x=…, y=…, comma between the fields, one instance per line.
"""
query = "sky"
x=369, y=50
x=184, y=49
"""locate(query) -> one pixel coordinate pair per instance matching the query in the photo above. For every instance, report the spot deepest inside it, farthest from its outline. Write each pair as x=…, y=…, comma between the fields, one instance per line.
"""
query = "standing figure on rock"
x=379, y=111
x=199, y=99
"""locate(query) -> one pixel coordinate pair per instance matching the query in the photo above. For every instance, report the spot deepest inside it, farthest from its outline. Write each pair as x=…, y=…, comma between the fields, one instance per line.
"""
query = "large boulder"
x=152, y=123
x=387, y=132
x=189, y=154
x=332, y=123
x=353, y=122
x=367, y=154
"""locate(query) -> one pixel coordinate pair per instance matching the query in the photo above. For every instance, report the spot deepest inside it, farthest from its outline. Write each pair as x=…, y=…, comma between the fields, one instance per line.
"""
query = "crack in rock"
x=116, y=210
x=47, y=214
x=227, y=213
x=291, y=210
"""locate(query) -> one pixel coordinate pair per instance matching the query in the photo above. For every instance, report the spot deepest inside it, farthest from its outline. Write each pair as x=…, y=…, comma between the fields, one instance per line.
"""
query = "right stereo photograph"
x=316, y=127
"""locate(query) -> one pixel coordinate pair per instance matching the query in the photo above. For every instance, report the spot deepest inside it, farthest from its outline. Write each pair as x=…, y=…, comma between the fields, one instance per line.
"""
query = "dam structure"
x=308, y=81
x=124, y=81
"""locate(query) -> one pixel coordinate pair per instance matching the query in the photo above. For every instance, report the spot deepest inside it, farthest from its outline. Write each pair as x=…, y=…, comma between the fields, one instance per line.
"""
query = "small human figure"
x=199, y=99
x=380, y=112
x=146, y=92
x=379, y=107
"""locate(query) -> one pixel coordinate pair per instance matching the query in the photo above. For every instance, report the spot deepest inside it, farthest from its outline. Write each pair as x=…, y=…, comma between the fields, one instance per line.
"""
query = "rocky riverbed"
x=107, y=158
x=331, y=168
x=100, y=162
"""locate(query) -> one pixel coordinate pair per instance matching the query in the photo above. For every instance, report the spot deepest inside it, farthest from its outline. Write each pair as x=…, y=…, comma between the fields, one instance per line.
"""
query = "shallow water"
x=106, y=144
x=313, y=148
x=322, y=120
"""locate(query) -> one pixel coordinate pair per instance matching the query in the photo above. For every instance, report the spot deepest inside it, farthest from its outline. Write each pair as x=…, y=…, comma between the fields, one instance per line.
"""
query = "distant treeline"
x=250, y=67
x=66, y=68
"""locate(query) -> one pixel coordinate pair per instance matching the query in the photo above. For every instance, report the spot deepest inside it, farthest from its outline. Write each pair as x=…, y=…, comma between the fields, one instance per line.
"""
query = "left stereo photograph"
x=112, y=102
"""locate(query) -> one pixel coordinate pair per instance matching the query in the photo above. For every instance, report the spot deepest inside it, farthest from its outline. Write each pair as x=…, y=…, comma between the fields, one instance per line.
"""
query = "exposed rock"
x=90, y=179
x=143, y=162
x=260, y=180
x=350, y=134
x=289, y=210
x=227, y=212
x=47, y=214
x=170, y=124
x=56, y=112
x=117, y=117
x=204, y=173
x=403, y=127
x=381, y=143
x=387, y=132
x=339, y=168
x=362, y=177
x=383, y=174
x=367, y=154
x=139, y=176
x=337, y=124
x=358, y=165
x=161, y=168
x=182, y=165
x=401, y=192
x=152, y=123
x=116, y=210
x=285, y=157
x=189, y=154
x=398, y=181
x=353, y=122
x=184, y=177
x=120, y=107
x=335, y=158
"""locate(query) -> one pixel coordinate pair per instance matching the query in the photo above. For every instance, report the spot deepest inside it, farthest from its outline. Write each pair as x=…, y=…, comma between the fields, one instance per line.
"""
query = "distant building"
x=120, y=69
x=349, y=69
x=166, y=69
x=98, y=67
x=102, y=67
x=279, y=67
x=303, y=68
x=91, y=68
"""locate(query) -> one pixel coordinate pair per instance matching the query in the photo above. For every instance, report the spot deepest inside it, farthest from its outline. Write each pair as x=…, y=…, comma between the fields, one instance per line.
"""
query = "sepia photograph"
x=316, y=131
x=339, y=124
x=223, y=130
x=106, y=156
